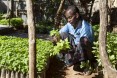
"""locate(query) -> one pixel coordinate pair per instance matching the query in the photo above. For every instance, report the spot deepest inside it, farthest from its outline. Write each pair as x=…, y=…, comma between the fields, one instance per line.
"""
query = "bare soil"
x=57, y=70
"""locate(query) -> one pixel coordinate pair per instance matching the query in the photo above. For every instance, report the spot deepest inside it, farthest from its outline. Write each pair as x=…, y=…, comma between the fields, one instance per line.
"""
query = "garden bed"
x=14, y=56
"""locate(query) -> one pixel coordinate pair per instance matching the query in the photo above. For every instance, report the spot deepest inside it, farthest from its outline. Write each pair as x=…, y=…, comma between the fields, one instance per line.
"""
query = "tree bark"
x=71, y=2
x=109, y=28
x=32, y=40
x=109, y=71
x=58, y=14
x=12, y=8
x=7, y=74
x=12, y=74
x=3, y=72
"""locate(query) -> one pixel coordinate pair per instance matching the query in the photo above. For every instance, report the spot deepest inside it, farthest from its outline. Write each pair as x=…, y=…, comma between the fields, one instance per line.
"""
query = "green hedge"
x=14, y=53
x=4, y=22
x=15, y=22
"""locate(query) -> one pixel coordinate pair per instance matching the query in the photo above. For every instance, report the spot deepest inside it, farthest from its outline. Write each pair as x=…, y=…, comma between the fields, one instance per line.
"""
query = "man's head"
x=72, y=14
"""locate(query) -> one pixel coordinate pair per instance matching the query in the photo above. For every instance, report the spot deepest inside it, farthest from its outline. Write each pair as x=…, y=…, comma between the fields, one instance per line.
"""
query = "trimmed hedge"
x=15, y=22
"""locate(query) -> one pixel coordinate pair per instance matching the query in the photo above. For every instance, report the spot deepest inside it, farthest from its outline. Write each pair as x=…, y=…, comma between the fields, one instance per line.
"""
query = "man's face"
x=71, y=17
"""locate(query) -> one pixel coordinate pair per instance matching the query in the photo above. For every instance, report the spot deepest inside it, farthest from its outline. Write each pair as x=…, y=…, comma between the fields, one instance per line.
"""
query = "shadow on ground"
x=56, y=69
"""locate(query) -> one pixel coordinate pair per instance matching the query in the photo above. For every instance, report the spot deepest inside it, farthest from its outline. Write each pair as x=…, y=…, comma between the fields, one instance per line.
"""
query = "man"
x=80, y=36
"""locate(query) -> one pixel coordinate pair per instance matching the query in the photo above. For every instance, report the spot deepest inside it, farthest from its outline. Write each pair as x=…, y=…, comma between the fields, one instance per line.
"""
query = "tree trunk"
x=109, y=28
x=32, y=40
x=58, y=14
x=7, y=7
x=12, y=8
x=7, y=74
x=71, y=2
x=12, y=74
x=3, y=72
x=109, y=72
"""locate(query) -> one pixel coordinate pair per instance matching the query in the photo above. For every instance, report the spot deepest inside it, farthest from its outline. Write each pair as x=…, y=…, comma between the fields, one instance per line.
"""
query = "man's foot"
x=76, y=67
x=69, y=65
x=87, y=71
x=95, y=67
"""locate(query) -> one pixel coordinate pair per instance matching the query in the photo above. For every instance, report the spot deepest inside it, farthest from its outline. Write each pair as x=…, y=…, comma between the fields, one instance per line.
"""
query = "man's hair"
x=73, y=8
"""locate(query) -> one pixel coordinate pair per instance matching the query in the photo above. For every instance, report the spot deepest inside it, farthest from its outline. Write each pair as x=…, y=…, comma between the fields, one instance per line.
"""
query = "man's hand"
x=55, y=39
x=55, y=36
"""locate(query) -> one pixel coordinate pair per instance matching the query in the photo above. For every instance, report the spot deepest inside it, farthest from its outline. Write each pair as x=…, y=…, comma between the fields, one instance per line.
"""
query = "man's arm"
x=64, y=29
x=55, y=38
x=87, y=32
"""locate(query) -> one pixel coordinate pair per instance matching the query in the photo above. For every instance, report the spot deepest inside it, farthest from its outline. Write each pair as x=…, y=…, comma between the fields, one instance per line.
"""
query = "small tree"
x=12, y=8
x=32, y=40
x=109, y=71
x=58, y=14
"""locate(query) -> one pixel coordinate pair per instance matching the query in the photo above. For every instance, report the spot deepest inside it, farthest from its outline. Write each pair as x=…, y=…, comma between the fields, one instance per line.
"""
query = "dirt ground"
x=57, y=70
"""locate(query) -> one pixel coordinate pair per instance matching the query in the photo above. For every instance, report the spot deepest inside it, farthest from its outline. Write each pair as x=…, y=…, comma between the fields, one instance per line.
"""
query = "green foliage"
x=44, y=27
x=44, y=50
x=85, y=64
x=96, y=32
x=111, y=46
x=16, y=22
x=54, y=33
x=61, y=45
x=1, y=16
x=4, y=22
x=13, y=22
x=14, y=53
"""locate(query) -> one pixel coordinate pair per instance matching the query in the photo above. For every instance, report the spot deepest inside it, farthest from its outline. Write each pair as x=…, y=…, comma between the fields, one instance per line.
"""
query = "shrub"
x=16, y=22
x=1, y=16
x=4, y=22
x=111, y=46
x=44, y=27
x=14, y=53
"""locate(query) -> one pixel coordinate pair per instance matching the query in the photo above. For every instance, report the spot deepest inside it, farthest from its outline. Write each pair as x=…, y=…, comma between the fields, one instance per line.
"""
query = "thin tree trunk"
x=7, y=7
x=58, y=14
x=3, y=73
x=12, y=8
x=109, y=72
x=7, y=74
x=90, y=13
x=12, y=74
x=32, y=40
x=109, y=15
x=16, y=74
x=27, y=76
x=71, y=2
x=17, y=8
x=22, y=75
